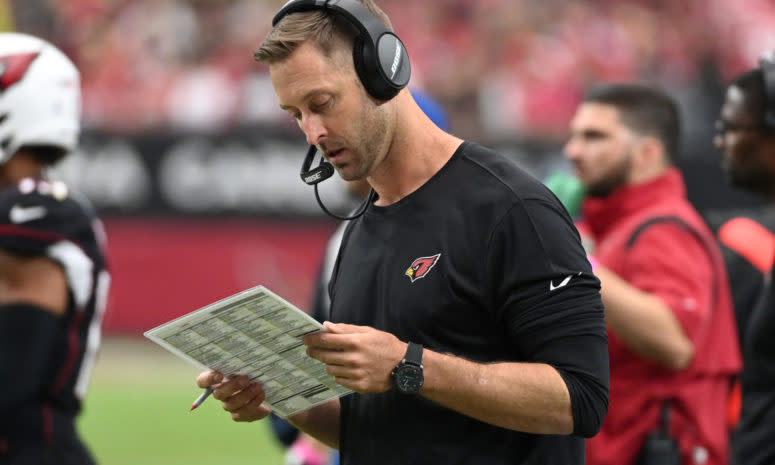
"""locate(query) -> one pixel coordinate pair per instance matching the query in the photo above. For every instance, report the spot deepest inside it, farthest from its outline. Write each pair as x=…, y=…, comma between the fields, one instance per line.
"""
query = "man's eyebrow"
x=593, y=132
x=305, y=97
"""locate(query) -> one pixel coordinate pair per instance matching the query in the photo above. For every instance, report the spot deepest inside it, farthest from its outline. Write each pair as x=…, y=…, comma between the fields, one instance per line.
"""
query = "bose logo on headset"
x=396, y=60
x=380, y=58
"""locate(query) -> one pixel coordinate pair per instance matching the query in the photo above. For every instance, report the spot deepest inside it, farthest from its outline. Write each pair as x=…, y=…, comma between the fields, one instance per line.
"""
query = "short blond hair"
x=327, y=30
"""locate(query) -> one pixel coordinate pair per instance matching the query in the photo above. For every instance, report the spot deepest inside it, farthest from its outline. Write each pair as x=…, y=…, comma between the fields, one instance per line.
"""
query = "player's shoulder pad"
x=37, y=203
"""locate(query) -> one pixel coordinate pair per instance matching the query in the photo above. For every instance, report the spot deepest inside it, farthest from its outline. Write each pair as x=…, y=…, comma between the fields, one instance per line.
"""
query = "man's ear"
x=650, y=153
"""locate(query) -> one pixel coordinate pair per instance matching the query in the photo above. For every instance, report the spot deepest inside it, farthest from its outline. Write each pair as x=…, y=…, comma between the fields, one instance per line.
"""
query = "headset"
x=380, y=58
x=767, y=66
x=381, y=62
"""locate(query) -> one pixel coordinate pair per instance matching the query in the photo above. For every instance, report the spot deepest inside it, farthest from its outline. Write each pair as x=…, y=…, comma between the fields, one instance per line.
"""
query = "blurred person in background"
x=53, y=278
x=673, y=345
x=746, y=136
x=471, y=326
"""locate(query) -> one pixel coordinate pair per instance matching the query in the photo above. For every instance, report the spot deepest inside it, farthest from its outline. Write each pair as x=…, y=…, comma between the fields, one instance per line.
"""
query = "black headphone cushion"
x=367, y=66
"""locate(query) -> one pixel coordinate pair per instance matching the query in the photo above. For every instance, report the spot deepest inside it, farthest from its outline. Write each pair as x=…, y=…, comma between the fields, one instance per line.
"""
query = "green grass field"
x=137, y=412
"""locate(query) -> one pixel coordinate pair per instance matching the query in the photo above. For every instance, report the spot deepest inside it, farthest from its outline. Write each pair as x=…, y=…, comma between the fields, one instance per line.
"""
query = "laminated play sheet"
x=258, y=334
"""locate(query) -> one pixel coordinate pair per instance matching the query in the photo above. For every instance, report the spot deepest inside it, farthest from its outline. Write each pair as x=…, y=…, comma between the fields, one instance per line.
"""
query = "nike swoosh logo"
x=19, y=214
x=564, y=282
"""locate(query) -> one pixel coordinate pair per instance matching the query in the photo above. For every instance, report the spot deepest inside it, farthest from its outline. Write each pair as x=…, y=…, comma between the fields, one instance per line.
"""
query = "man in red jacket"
x=673, y=345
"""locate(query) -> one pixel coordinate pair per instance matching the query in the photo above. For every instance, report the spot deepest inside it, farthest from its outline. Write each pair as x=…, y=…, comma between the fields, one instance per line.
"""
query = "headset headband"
x=380, y=57
x=355, y=12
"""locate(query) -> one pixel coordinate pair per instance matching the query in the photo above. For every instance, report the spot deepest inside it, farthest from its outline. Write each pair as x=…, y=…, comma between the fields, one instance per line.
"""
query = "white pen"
x=200, y=399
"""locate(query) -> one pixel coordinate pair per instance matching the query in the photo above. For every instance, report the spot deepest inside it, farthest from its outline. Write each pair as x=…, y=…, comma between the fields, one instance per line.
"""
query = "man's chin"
x=346, y=173
x=600, y=191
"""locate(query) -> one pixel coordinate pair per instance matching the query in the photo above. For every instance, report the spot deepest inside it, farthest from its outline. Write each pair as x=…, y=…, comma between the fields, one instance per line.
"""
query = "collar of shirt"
x=600, y=214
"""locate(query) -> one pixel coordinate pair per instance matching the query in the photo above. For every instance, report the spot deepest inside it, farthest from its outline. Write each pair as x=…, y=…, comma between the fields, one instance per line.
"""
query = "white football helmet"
x=40, y=95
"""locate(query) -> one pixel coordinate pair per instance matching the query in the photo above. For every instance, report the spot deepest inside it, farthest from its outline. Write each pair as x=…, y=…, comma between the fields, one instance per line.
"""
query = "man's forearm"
x=321, y=422
x=644, y=323
x=527, y=397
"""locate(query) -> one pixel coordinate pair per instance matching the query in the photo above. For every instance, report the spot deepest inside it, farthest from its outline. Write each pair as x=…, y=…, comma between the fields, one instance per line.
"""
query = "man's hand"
x=359, y=357
x=240, y=396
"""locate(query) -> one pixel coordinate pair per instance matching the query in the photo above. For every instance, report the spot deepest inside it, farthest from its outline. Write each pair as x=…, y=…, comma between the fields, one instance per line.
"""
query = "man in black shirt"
x=746, y=135
x=53, y=277
x=471, y=326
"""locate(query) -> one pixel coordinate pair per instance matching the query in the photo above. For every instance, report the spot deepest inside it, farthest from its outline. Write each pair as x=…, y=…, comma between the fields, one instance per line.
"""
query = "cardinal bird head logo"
x=421, y=266
x=14, y=67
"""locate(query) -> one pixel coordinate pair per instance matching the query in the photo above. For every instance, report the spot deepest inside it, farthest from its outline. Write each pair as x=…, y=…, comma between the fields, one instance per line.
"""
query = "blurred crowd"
x=503, y=68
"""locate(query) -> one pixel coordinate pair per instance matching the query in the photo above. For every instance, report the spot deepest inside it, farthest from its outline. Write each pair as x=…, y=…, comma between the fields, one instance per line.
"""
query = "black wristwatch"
x=407, y=376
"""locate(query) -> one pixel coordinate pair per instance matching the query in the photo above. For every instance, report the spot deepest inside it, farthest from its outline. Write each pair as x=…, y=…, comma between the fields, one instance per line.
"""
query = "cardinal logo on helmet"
x=421, y=266
x=14, y=67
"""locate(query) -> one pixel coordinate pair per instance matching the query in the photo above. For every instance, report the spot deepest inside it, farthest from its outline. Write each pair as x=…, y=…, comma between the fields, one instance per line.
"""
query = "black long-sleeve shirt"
x=482, y=262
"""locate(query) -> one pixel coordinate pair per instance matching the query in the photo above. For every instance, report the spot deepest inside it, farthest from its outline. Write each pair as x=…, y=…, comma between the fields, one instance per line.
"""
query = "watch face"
x=409, y=379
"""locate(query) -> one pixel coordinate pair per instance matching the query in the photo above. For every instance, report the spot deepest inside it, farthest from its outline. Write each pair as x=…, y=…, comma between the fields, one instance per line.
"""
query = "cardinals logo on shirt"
x=421, y=266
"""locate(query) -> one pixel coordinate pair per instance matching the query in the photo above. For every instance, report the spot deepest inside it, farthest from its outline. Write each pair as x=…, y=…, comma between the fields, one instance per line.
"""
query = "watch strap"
x=413, y=354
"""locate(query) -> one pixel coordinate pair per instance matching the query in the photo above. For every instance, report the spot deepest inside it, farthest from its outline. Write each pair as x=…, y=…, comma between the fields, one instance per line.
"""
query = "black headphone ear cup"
x=392, y=63
x=367, y=66
x=360, y=65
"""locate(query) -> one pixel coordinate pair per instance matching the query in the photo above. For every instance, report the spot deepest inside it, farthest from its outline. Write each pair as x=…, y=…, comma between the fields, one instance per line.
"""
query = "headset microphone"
x=313, y=176
x=323, y=171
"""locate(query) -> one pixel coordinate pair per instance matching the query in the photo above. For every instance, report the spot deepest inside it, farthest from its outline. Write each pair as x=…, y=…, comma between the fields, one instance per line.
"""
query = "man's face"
x=748, y=152
x=600, y=147
x=330, y=105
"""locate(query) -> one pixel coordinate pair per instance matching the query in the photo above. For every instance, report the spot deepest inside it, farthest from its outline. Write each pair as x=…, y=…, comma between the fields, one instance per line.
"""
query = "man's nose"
x=571, y=150
x=314, y=129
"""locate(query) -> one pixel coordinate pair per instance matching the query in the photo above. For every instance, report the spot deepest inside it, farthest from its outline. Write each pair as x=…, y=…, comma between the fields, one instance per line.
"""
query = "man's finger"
x=251, y=394
x=327, y=356
x=252, y=411
x=208, y=378
x=328, y=341
x=344, y=328
x=338, y=371
x=230, y=386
